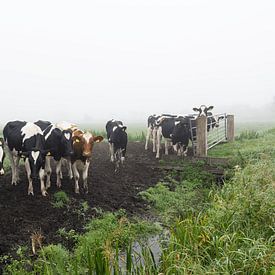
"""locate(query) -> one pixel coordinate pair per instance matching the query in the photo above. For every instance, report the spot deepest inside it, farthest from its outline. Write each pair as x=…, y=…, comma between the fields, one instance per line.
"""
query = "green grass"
x=178, y=198
x=61, y=199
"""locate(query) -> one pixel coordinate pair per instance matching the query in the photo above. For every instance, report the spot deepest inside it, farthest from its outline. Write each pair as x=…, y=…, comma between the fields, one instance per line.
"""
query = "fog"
x=89, y=61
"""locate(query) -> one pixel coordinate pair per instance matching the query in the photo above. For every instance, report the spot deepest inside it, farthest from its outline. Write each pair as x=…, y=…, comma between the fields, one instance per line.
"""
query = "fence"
x=207, y=132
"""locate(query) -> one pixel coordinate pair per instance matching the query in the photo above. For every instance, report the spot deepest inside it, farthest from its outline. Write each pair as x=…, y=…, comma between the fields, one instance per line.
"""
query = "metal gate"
x=216, y=130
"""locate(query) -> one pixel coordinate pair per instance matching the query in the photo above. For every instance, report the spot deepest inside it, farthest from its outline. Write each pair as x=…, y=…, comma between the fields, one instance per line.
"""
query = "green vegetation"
x=178, y=198
x=61, y=199
x=98, y=251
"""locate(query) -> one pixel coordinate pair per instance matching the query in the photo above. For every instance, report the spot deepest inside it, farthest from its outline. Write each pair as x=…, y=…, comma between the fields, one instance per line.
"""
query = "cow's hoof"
x=30, y=193
x=44, y=193
x=76, y=191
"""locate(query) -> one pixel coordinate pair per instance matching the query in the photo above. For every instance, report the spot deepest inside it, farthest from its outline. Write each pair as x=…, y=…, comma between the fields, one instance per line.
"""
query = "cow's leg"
x=166, y=144
x=149, y=134
x=58, y=173
x=158, y=141
x=42, y=184
x=180, y=150
x=76, y=178
x=85, y=175
x=16, y=164
x=48, y=171
x=111, y=146
x=28, y=170
x=185, y=150
x=154, y=133
x=122, y=155
x=11, y=159
x=70, y=172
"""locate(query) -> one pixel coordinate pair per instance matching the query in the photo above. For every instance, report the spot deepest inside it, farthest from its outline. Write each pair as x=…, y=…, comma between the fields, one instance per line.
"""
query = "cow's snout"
x=87, y=154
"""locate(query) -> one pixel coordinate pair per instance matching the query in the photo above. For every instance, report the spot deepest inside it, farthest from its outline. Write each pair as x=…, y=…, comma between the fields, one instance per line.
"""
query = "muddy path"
x=21, y=215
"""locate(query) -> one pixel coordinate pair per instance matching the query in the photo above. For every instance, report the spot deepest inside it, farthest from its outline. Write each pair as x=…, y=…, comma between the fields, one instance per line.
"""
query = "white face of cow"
x=203, y=110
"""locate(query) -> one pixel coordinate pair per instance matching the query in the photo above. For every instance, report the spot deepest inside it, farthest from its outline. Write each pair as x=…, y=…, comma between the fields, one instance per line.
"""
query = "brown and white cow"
x=83, y=143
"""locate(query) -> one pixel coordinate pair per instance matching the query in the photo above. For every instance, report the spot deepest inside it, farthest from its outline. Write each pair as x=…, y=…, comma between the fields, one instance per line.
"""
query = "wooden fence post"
x=201, y=150
x=230, y=131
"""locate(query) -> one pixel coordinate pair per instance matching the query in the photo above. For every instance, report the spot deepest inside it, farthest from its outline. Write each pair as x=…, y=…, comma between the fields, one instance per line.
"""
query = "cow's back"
x=42, y=124
x=12, y=134
x=109, y=127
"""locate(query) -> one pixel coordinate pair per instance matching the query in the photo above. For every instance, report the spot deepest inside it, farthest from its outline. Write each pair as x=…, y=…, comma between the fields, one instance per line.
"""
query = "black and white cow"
x=59, y=144
x=175, y=130
x=2, y=156
x=152, y=128
x=25, y=139
x=117, y=138
x=151, y=131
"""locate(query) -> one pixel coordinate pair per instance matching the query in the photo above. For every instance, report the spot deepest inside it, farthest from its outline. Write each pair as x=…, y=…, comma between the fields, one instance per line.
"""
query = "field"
x=201, y=227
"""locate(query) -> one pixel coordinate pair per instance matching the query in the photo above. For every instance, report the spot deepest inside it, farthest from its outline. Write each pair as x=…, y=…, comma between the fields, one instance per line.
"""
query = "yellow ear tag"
x=48, y=154
x=77, y=140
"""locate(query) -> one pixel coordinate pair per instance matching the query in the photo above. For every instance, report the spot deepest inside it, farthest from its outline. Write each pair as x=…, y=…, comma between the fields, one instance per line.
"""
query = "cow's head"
x=203, y=110
x=2, y=156
x=84, y=142
x=36, y=159
x=152, y=121
x=66, y=143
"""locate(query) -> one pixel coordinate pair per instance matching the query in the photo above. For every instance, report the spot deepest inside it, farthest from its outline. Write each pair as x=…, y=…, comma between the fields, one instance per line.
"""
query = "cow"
x=152, y=127
x=83, y=143
x=59, y=144
x=25, y=139
x=151, y=131
x=2, y=156
x=175, y=130
x=118, y=139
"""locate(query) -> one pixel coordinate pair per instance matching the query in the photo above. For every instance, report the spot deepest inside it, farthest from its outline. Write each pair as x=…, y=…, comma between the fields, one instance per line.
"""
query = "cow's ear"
x=76, y=139
x=124, y=128
x=196, y=109
x=210, y=108
x=98, y=139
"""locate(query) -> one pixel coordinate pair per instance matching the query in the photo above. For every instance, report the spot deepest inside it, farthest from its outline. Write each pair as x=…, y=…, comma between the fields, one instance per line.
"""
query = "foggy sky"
x=96, y=60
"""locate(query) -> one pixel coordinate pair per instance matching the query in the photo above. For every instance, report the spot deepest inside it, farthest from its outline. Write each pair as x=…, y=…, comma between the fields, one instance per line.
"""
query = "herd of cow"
x=177, y=129
x=39, y=142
